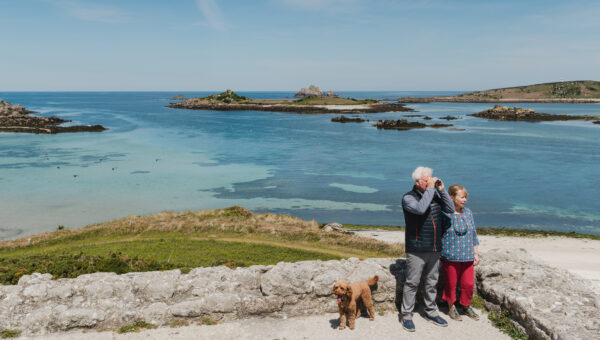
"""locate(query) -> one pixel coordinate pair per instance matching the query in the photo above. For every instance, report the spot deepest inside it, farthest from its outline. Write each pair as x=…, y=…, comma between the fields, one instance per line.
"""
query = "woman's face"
x=459, y=200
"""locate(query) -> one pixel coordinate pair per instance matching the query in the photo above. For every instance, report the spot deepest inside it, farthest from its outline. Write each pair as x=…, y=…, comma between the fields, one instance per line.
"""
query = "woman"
x=460, y=255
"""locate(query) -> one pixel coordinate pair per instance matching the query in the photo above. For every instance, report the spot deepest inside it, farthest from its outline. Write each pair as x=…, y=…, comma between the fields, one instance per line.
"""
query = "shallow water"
x=518, y=174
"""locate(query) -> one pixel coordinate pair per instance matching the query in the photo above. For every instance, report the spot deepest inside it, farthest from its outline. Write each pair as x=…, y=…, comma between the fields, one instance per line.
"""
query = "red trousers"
x=454, y=271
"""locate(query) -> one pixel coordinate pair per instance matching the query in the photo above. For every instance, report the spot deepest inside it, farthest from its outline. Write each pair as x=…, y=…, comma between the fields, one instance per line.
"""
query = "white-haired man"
x=423, y=208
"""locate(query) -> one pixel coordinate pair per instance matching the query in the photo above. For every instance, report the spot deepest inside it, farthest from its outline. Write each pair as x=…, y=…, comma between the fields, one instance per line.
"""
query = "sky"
x=283, y=45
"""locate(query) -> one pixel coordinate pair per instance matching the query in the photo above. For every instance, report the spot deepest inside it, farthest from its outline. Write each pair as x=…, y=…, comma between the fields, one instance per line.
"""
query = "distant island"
x=15, y=118
x=506, y=113
x=582, y=91
x=312, y=100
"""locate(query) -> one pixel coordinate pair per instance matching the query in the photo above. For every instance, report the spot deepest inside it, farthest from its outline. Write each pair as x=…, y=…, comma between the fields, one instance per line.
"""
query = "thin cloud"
x=212, y=13
x=90, y=12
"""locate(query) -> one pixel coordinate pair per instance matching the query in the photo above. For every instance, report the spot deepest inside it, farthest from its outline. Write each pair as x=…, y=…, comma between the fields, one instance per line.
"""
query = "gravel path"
x=308, y=327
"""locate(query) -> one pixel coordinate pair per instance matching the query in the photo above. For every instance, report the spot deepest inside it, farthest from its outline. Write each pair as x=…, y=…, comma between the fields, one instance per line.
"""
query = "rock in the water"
x=449, y=117
x=403, y=124
x=178, y=97
x=344, y=119
x=17, y=119
x=499, y=112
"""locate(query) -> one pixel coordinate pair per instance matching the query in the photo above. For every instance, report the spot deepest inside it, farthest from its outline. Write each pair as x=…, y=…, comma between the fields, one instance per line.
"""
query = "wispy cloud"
x=90, y=12
x=212, y=13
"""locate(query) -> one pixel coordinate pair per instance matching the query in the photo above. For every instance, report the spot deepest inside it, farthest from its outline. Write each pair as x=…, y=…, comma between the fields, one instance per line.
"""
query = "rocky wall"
x=39, y=305
x=549, y=303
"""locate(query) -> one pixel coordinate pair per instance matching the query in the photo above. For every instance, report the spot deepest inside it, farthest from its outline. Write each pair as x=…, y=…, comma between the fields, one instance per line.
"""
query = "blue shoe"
x=438, y=321
x=408, y=325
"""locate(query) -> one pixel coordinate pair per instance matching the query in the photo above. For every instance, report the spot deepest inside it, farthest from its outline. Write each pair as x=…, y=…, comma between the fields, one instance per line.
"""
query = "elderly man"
x=423, y=208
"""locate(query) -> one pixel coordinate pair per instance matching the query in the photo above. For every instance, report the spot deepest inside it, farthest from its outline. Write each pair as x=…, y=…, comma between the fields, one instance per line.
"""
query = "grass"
x=503, y=321
x=10, y=333
x=234, y=237
x=178, y=323
x=332, y=101
x=135, y=327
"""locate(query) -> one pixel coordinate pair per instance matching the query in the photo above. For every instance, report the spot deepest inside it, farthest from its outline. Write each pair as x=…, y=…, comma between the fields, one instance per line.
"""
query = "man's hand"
x=441, y=186
x=431, y=182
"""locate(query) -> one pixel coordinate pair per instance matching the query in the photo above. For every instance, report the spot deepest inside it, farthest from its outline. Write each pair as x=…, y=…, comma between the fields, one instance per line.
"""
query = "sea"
x=542, y=176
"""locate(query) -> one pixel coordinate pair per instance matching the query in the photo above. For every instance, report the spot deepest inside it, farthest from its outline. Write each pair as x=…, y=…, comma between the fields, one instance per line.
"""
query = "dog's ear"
x=349, y=291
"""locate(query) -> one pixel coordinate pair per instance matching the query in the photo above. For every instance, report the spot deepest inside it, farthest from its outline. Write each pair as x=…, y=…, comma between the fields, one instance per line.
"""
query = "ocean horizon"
x=519, y=175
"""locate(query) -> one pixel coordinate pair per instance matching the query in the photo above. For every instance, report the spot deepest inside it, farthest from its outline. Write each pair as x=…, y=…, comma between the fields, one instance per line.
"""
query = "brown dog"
x=352, y=297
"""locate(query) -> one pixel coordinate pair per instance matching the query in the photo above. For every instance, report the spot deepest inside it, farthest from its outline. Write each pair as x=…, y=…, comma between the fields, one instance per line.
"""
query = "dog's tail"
x=373, y=280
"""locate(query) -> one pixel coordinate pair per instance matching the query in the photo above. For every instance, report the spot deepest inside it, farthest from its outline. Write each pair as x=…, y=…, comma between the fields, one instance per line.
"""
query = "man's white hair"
x=420, y=171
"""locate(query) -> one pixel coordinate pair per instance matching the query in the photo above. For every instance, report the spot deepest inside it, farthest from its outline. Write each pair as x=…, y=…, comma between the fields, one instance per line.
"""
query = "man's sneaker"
x=471, y=313
x=438, y=321
x=408, y=325
x=453, y=314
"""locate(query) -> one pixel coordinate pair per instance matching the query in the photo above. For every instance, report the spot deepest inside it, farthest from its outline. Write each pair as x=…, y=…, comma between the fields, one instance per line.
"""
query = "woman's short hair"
x=420, y=171
x=455, y=188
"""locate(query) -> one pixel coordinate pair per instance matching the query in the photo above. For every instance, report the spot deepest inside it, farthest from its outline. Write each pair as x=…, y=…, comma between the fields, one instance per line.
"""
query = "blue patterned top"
x=460, y=238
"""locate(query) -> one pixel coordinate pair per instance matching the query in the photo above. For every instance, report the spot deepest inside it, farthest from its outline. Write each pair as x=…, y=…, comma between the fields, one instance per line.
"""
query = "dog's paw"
x=371, y=318
x=351, y=328
x=341, y=328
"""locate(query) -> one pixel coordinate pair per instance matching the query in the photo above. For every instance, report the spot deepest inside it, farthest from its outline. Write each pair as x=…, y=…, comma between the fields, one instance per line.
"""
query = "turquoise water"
x=519, y=175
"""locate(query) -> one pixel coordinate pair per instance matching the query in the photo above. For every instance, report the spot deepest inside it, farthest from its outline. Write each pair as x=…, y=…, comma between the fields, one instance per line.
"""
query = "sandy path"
x=579, y=256
x=307, y=327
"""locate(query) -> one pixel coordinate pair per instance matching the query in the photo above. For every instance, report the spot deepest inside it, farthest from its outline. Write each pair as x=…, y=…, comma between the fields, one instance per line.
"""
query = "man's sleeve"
x=447, y=203
x=418, y=207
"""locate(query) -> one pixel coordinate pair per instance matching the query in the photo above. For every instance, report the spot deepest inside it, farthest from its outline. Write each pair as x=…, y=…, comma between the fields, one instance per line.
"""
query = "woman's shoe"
x=453, y=314
x=471, y=313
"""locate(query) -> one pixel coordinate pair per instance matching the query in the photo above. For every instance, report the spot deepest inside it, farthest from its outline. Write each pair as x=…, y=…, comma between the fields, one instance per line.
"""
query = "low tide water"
x=153, y=158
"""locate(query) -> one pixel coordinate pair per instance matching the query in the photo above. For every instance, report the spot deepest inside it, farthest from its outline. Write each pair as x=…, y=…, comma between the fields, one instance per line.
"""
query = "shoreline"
x=302, y=109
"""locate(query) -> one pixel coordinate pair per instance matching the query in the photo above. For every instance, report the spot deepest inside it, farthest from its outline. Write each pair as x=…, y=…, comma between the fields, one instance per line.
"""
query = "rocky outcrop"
x=314, y=91
x=337, y=227
x=178, y=97
x=549, y=303
x=499, y=112
x=449, y=117
x=38, y=304
x=14, y=118
x=344, y=119
x=403, y=124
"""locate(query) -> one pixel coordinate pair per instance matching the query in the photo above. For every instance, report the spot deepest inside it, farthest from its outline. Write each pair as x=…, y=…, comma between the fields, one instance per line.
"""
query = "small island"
x=576, y=92
x=15, y=118
x=344, y=119
x=311, y=101
x=403, y=124
x=506, y=113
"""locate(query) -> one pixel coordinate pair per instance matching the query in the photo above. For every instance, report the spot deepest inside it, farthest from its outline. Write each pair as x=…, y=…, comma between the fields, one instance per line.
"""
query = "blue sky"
x=196, y=45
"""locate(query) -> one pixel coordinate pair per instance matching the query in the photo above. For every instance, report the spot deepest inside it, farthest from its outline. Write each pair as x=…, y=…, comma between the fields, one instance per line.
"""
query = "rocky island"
x=499, y=112
x=310, y=102
x=581, y=91
x=15, y=118
x=403, y=124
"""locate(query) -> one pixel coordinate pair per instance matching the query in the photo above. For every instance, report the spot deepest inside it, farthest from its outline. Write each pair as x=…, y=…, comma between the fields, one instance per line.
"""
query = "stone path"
x=308, y=327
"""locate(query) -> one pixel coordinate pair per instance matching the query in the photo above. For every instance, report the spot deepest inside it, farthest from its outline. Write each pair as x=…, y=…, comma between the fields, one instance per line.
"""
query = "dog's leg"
x=369, y=304
x=359, y=307
x=352, y=313
x=342, y=317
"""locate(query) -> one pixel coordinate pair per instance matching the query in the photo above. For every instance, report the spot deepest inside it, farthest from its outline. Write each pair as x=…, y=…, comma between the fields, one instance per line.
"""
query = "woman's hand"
x=476, y=262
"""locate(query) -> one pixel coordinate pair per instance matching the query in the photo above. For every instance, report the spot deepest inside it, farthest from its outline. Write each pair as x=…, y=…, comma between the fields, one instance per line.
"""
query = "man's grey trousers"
x=417, y=264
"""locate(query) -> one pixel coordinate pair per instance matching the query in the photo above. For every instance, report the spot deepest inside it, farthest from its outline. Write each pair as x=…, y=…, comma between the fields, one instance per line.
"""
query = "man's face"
x=422, y=182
